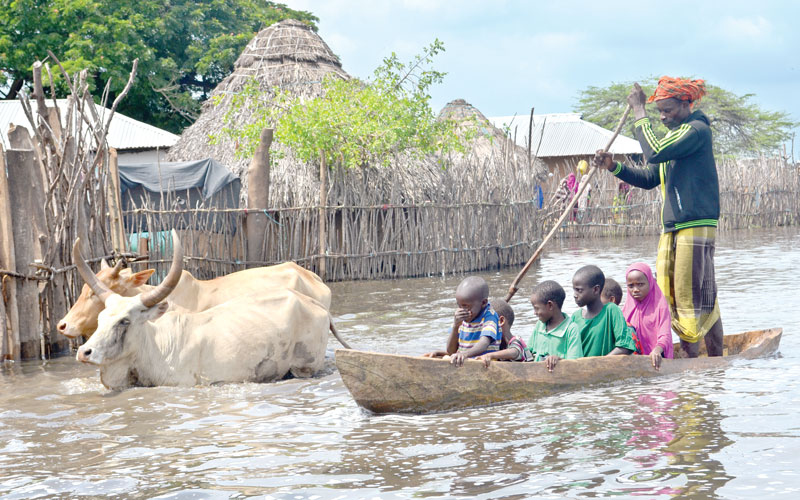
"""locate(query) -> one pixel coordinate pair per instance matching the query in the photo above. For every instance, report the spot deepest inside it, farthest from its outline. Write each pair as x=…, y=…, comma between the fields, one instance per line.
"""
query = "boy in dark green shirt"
x=602, y=327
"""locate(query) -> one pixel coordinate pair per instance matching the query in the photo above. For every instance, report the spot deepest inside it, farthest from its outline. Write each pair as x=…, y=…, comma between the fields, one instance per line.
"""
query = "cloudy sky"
x=506, y=56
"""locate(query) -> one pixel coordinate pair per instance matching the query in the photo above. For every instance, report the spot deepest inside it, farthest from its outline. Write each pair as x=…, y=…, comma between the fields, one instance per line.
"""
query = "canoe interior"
x=732, y=344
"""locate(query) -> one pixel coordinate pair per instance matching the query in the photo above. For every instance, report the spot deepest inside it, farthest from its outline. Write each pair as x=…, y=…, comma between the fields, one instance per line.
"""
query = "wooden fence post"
x=24, y=203
x=258, y=179
x=114, y=203
x=53, y=296
x=323, y=202
x=8, y=289
x=20, y=138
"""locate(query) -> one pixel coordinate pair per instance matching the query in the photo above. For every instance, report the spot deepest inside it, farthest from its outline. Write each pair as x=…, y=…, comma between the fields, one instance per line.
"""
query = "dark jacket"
x=682, y=163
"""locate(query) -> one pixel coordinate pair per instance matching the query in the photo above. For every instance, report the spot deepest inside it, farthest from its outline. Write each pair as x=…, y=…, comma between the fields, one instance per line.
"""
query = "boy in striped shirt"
x=476, y=325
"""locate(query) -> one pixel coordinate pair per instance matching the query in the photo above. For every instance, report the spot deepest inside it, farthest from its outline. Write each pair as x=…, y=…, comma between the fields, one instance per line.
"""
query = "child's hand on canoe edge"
x=457, y=358
x=487, y=360
x=551, y=361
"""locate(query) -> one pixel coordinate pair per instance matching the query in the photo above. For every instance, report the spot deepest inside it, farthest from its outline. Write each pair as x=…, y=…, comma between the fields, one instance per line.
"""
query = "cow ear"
x=140, y=278
x=104, y=264
x=157, y=310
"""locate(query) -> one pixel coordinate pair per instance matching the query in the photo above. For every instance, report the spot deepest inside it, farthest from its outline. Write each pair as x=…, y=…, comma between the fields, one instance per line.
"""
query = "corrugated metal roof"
x=564, y=134
x=125, y=132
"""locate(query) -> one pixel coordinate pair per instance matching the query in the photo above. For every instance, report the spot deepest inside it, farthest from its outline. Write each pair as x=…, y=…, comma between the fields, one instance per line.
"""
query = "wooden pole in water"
x=258, y=199
x=24, y=202
x=515, y=284
x=8, y=289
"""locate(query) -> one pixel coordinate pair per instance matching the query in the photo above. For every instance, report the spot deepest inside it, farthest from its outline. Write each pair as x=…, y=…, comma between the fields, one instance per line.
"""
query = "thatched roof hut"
x=291, y=55
x=287, y=55
x=507, y=170
x=491, y=140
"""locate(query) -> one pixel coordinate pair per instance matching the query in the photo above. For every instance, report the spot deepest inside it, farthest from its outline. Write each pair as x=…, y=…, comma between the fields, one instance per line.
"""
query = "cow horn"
x=117, y=268
x=159, y=293
x=98, y=287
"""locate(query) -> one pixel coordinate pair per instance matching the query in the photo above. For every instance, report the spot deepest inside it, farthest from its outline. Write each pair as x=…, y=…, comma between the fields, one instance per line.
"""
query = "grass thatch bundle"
x=286, y=55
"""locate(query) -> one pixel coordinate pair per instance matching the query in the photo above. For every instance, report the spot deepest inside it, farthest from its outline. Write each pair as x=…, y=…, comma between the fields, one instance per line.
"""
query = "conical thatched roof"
x=492, y=143
x=462, y=111
x=288, y=55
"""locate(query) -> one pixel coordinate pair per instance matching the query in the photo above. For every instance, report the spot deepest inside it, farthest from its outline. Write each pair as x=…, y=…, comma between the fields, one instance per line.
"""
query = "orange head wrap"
x=678, y=88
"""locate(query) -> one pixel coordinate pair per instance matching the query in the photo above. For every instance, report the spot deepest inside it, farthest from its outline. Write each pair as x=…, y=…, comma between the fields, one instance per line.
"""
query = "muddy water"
x=732, y=433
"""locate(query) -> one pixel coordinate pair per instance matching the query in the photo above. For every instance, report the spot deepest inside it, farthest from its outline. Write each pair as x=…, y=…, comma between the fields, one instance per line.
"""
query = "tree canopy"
x=185, y=47
x=740, y=127
x=354, y=122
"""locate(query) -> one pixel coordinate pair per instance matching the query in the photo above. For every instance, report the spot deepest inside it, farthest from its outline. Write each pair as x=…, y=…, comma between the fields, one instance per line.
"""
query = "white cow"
x=190, y=293
x=256, y=337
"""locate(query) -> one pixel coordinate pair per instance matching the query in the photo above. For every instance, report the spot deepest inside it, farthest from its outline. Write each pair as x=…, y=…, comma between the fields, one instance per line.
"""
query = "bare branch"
x=165, y=93
x=63, y=71
x=114, y=107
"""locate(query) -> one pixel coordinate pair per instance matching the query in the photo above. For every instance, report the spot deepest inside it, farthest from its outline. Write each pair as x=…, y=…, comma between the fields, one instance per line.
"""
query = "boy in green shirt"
x=602, y=327
x=554, y=336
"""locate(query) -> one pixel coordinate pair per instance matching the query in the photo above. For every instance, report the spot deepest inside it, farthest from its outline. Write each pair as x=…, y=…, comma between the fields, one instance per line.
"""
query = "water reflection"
x=675, y=438
x=654, y=444
x=62, y=435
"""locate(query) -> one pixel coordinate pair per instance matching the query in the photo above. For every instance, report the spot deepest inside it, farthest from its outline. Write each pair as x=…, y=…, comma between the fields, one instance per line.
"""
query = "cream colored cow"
x=191, y=294
x=257, y=337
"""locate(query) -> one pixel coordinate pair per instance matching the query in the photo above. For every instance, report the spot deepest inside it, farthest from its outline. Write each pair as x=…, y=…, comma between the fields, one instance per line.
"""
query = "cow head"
x=81, y=319
x=123, y=318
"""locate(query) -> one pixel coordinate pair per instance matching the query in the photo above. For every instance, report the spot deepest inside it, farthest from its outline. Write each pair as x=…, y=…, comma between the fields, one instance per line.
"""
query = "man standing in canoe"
x=682, y=164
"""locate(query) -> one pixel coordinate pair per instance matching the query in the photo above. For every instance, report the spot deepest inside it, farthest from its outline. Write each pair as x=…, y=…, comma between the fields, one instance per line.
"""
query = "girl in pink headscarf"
x=647, y=311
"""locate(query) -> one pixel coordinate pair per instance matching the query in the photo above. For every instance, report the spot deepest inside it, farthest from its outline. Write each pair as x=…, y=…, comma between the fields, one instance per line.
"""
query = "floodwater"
x=726, y=433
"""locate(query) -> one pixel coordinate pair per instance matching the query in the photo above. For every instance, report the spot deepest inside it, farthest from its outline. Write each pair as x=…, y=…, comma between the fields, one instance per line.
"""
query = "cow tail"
x=335, y=333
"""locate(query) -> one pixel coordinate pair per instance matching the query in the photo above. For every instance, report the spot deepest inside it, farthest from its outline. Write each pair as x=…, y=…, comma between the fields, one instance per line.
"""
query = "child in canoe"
x=505, y=319
x=554, y=336
x=612, y=292
x=476, y=328
x=647, y=311
x=602, y=327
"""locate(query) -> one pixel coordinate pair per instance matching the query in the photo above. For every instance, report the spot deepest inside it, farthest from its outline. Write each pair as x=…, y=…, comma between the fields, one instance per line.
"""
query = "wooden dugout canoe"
x=391, y=383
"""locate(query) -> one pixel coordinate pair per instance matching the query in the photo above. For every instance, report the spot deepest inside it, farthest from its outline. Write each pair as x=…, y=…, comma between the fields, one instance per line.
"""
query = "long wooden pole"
x=21, y=165
x=8, y=261
x=515, y=284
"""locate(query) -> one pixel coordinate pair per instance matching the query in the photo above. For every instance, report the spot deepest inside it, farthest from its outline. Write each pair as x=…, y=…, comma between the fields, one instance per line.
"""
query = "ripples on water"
x=728, y=433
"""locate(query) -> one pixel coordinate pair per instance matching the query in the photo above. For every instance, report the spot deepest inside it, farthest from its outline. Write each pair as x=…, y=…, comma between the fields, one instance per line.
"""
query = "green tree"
x=185, y=47
x=353, y=122
x=739, y=126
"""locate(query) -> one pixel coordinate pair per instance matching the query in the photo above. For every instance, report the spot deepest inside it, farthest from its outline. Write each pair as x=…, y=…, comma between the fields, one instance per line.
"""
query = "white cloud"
x=449, y=7
x=340, y=43
x=508, y=54
x=744, y=29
